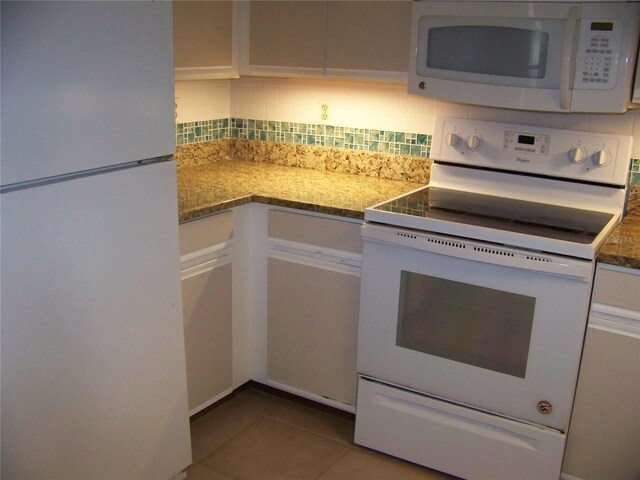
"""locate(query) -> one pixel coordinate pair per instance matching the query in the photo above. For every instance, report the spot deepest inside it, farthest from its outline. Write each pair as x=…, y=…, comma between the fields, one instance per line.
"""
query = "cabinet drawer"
x=617, y=288
x=206, y=232
x=422, y=429
x=314, y=230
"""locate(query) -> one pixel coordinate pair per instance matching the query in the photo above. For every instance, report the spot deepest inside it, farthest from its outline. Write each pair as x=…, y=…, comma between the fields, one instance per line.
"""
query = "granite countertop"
x=622, y=248
x=222, y=184
x=213, y=186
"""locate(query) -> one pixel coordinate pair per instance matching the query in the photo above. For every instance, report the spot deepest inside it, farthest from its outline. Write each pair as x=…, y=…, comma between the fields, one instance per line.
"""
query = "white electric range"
x=475, y=294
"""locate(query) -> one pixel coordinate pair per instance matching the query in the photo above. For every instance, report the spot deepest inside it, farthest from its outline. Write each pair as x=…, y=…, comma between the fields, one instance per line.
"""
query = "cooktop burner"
x=531, y=218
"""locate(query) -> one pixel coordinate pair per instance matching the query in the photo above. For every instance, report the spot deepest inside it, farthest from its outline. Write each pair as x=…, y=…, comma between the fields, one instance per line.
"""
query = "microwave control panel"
x=598, y=54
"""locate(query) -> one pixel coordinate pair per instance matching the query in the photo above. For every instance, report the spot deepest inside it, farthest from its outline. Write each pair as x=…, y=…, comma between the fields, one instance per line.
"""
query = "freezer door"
x=84, y=85
x=93, y=363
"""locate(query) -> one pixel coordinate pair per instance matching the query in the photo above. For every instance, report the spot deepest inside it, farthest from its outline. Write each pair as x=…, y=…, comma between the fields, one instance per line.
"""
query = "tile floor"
x=258, y=436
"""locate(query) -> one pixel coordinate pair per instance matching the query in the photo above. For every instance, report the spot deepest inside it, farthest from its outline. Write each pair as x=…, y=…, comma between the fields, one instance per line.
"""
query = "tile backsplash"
x=319, y=135
x=634, y=173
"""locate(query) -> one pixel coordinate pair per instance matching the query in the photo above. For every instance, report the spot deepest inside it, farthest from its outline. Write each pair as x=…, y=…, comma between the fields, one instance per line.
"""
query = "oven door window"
x=465, y=323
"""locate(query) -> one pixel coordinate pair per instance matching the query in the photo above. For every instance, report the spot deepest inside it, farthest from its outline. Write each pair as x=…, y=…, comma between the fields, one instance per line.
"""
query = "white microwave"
x=541, y=55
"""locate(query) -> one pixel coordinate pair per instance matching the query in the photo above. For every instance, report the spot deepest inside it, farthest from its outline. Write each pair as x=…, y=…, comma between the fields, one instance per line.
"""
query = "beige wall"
x=202, y=100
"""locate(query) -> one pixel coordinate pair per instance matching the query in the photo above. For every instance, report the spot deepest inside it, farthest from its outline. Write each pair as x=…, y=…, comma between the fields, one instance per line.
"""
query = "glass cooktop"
x=531, y=218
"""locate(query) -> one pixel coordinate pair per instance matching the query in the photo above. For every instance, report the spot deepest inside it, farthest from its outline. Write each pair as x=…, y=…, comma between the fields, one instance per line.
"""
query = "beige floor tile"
x=330, y=426
x=201, y=472
x=270, y=450
x=361, y=464
x=257, y=401
x=227, y=420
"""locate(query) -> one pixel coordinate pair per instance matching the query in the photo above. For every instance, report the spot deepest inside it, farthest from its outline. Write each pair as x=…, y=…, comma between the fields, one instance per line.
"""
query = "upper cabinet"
x=368, y=38
x=331, y=38
x=205, y=39
x=286, y=37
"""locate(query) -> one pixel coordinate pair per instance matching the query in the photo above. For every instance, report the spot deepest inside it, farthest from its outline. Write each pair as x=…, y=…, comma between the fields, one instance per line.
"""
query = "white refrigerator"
x=92, y=371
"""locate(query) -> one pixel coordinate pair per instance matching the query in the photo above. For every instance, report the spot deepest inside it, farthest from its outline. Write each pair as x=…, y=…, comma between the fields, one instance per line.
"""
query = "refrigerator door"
x=84, y=85
x=93, y=362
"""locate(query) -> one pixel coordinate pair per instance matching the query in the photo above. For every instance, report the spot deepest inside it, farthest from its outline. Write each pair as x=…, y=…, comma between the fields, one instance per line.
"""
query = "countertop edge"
x=207, y=210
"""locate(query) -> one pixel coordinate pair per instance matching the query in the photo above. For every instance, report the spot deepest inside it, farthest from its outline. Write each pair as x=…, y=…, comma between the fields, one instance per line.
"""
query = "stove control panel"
x=572, y=154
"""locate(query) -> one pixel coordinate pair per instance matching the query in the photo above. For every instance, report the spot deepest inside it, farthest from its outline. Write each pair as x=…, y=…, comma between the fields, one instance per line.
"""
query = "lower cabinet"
x=604, y=434
x=272, y=295
x=206, y=305
x=313, y=291
x=312, y=329
x=207, y=308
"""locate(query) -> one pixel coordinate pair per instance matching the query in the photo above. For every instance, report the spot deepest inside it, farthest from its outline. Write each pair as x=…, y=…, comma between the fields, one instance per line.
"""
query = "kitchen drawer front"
x=423, y=430
x=617, y=287
x=315, y=230
x=205, y=232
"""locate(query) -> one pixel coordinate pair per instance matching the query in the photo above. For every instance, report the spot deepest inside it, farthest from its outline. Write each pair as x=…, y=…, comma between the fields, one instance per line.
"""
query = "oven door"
x=491, y=327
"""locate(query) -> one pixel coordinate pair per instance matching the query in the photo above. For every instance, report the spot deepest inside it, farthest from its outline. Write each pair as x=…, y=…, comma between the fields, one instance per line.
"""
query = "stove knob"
x=577, y=154
x=474, y=142
x=453, y=140
x=601, y=158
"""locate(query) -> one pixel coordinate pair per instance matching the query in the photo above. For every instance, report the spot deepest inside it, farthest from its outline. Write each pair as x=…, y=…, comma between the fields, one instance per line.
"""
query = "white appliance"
x=474, y=298
x=93, y=378
x=539, y=55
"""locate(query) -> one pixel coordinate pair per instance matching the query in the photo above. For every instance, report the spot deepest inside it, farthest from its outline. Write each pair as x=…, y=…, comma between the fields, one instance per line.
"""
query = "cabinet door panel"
x=287, y=33
x=206, y=300
x=605, y=426
x=202, y=33
x=368, y=35
x=312, y=329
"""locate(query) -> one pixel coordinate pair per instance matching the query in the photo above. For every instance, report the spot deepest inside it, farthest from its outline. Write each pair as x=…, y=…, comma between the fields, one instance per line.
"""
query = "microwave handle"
x=567, y=58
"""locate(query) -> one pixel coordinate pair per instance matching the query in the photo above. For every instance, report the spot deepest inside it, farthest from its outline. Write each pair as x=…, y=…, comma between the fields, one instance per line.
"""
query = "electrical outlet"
x=324, y=111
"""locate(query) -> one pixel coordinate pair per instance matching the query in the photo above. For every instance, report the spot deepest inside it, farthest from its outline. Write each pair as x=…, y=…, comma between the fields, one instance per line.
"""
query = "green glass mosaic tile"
x=634, y=172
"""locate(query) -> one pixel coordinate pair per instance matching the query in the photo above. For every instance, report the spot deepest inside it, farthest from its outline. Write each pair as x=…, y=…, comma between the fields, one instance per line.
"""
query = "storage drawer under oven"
x=458, y=440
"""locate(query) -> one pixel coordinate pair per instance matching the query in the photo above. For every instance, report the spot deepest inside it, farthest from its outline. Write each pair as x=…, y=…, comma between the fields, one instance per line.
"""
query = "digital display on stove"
x=526, y=139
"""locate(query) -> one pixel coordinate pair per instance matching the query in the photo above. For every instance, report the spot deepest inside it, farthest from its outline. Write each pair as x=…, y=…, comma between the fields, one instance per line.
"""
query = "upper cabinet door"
x=84, y=85
x=205, y=39
x=335, y=38
x=286, y=37
x=368, y=38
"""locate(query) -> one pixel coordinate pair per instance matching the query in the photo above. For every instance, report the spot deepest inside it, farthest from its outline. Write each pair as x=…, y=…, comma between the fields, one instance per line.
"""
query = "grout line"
x=333, y=463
